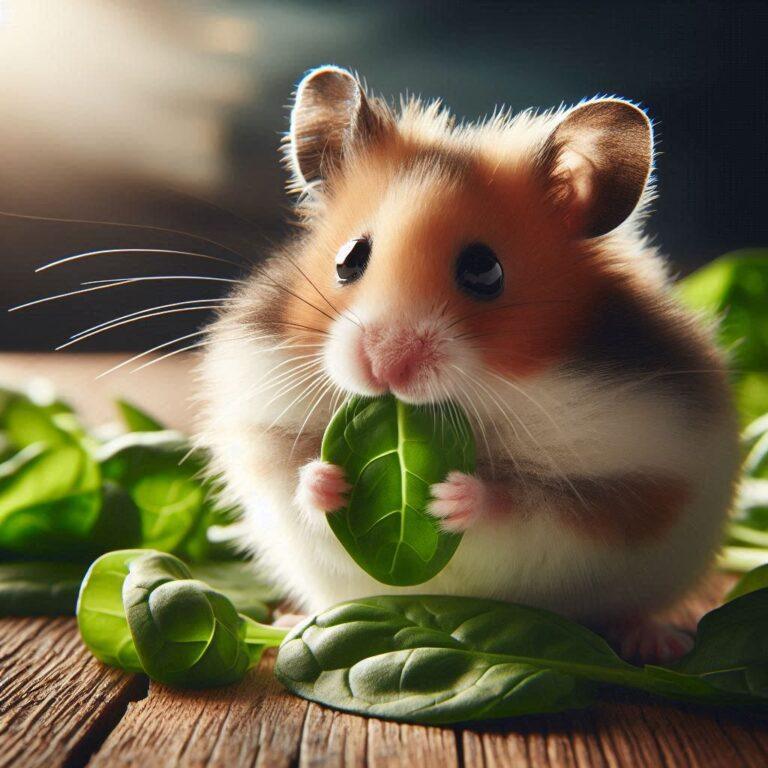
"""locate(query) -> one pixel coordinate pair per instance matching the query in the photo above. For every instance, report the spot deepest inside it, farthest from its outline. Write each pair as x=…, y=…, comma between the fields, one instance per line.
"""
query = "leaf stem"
x=264, y=635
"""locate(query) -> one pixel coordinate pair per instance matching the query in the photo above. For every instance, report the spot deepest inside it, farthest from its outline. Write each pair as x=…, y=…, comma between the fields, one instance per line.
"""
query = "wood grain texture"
x=253, y=723
x=57, y=703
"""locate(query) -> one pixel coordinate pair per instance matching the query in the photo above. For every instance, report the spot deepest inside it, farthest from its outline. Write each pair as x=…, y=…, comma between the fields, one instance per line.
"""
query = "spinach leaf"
x=441, y=659
x=49, y=499
x=750, y=582
x=100, y=615
x=734, y=288
x=33, y=417
x=392, y=453
x=35, y=588
x=731, y=650
x=167, y=493
x=142, y=610
x=137, y=420
x=249, y=589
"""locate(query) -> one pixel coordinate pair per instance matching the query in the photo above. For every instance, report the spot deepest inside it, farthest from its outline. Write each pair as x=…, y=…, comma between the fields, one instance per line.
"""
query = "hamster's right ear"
x=330, y=115
x=597, y=163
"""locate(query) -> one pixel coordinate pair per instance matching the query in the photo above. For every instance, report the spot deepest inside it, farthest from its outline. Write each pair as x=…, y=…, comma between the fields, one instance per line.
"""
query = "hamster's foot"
x=322, y=487
x=649, y=641
x=459, y=502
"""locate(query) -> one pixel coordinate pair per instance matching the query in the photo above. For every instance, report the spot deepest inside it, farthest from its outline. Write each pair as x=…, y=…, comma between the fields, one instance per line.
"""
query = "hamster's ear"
x=329, y=115
x=597, y=163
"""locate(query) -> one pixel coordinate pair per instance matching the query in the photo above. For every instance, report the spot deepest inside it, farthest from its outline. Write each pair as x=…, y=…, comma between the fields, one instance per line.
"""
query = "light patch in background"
x=140, y=88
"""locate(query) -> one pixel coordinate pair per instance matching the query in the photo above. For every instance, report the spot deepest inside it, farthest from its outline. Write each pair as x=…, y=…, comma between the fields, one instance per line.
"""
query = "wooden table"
x=60, y=707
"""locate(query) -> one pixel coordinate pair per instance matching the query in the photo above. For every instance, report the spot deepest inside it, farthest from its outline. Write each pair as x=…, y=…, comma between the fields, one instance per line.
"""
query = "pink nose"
x=396, y=356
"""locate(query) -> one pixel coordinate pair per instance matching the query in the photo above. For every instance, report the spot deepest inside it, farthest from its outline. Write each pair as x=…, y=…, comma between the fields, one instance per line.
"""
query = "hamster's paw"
x=459, y=502
x=650, y=641
x=322, y=487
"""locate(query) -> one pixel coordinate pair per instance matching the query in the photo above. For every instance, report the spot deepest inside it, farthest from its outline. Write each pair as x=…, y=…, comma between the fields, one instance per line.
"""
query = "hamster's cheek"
x=345, y=360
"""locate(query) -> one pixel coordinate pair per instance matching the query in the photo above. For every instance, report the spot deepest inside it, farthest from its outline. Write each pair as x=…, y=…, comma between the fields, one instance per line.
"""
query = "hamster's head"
x=438, y=255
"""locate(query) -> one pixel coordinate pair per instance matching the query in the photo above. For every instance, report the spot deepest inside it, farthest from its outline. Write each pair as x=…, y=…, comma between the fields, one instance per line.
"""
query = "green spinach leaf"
x=143, y=611
x=392, y=453
x=168, y=494
x=49, y=499
x=137, y=420
x=100, y=615
x=441, y=659
x=434, y=659
x=733, y=289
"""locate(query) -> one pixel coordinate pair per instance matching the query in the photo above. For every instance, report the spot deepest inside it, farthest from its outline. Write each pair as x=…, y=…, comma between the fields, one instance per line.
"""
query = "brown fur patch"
x=629, y=510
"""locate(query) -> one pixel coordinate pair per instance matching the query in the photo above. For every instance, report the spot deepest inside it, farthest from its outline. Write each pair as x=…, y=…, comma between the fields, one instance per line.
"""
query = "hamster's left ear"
x=330, y=115
x=596, y=163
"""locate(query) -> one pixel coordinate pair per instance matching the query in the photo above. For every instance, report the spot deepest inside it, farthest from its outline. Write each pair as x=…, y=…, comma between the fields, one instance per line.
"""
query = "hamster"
x=500, y=265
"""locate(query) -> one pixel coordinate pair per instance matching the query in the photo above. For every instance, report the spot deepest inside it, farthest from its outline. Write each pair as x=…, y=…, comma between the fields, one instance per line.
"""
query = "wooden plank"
x=57, y=703
x=333, y=739
x=253, y=723
x=392, y=746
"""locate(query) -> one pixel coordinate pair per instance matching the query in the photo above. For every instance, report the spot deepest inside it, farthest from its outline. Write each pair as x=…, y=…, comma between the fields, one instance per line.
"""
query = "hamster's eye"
x=352, y=259
x=479, y=273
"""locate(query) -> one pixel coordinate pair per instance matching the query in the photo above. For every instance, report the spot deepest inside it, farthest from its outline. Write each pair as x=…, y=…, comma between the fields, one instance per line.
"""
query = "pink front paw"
x=459, y=502
x=649, y=641
x=322, y=487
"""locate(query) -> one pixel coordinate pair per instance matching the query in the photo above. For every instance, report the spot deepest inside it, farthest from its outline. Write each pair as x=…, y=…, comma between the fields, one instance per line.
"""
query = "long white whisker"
x=323, y=392
x=171, y=354
x=481, y=425
x=70, y=293
x=149, y=309
x=145, y=278
x=318, y=377
x=83, y=337
x=285, y=378
x=291, y=385
x=149, y=352
x=88, y=254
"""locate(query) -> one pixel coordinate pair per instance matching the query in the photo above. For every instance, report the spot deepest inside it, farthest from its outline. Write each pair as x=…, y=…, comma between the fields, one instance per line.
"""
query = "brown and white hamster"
x=500, y=265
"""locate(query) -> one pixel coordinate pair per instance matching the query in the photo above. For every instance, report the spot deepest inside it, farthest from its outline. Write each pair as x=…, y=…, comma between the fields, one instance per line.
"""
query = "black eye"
x=479, y=273
x=352, y=259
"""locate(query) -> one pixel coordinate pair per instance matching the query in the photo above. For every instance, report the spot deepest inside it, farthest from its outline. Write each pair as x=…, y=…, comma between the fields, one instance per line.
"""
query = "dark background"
x=169, y=114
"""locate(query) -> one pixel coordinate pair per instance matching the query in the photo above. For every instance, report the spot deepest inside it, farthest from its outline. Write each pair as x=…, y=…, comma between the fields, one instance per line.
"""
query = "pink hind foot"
x=322, y=487
x=649, y=641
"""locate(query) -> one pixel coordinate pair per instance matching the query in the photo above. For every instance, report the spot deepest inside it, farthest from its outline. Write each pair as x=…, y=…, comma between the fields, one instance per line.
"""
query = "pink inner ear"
x=574, y=189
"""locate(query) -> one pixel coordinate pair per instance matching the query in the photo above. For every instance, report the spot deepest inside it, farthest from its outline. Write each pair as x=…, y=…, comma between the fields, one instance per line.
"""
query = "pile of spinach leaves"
x=68, y=495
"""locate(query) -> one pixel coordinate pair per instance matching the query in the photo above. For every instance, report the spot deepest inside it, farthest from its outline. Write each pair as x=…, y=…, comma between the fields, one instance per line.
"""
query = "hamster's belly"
x=536, y=561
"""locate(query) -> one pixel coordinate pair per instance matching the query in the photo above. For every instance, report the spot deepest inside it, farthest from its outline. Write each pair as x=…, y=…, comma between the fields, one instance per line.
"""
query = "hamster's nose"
x=397, y=356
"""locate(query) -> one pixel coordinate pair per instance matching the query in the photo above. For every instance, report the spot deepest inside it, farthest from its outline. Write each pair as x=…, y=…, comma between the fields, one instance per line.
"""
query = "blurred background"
x=166, y=116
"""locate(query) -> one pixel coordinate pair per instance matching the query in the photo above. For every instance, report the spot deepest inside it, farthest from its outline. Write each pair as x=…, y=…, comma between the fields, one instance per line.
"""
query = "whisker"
x=68, y=294
x=318, y=377
x=88, y=254
x=313, y=407
x=145, y=278
x=147, y=227
x=110, y=327
x=149, y=352
x=171, y=354
x=321, y=294
x=149, y=309
x=296, y=296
